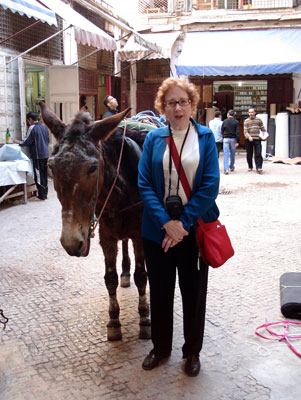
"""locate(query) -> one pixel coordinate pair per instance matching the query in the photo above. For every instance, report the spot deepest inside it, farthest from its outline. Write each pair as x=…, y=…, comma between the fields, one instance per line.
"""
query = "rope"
x=280, y=337
x=95, y=223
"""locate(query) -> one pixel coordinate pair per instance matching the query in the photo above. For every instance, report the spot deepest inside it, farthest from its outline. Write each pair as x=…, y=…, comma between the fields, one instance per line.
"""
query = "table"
x=14, y=173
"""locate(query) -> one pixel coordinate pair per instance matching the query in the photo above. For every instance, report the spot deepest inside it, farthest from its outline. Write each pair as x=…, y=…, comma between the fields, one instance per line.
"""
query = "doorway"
x=34, y=86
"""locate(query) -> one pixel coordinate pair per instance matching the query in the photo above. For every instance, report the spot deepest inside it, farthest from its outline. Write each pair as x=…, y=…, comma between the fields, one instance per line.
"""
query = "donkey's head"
x=77, y=167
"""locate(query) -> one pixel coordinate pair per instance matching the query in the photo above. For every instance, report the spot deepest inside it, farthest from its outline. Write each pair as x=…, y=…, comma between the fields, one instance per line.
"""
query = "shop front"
x=243, y=69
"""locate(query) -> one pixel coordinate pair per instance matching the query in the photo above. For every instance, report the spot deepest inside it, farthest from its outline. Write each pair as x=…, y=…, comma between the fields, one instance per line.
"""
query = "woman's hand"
x=175, y=233
x=169, y=242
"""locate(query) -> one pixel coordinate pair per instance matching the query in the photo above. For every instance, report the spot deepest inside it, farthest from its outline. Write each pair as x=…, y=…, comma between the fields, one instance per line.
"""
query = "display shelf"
x=246, y=97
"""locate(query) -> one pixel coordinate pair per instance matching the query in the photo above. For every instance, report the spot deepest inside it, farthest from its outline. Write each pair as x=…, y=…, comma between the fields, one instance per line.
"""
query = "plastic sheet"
x=281, y=136
x=295, y=136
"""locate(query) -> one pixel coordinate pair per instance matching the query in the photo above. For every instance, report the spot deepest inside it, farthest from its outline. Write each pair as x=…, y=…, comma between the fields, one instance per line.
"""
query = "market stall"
x=16, y=173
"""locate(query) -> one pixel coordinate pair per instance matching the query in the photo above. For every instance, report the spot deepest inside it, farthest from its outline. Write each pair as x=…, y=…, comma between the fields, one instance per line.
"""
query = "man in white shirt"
x=216, y=126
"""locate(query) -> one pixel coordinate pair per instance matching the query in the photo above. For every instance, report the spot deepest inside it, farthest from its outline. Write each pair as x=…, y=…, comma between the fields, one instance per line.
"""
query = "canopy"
x=133, y=51
x=85, y=32
x=274, y=51
x=32, y=9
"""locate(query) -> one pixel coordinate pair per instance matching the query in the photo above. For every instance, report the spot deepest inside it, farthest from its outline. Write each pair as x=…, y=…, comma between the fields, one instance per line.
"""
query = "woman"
x=169, y=240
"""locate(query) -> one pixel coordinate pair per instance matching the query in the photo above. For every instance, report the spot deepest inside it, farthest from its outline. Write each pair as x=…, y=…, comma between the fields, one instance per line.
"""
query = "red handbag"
x=214, y=243
x=212, y=237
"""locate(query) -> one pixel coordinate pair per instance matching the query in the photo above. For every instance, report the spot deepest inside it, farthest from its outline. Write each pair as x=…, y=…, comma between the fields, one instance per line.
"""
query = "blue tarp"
x=274, y=51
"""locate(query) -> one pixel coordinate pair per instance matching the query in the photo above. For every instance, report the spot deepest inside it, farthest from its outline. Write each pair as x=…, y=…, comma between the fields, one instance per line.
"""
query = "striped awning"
x=85, y=32
x=30, y=8
x=134, y=50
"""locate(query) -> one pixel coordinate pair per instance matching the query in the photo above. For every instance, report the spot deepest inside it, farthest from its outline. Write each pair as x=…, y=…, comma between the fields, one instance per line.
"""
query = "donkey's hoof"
x=114, y=333
x=125, y=280
x=114, y=330
x=145, y=330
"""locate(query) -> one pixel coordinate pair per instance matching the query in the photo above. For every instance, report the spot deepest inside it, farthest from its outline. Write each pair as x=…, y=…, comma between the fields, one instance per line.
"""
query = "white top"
x=190, y=160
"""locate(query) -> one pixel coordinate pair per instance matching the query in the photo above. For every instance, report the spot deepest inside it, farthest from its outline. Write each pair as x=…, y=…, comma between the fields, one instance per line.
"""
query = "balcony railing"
x=242, y=4
x=164, y=6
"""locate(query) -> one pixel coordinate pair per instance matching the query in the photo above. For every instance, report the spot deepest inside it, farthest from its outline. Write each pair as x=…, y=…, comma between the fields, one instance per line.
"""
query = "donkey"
x=84, y=165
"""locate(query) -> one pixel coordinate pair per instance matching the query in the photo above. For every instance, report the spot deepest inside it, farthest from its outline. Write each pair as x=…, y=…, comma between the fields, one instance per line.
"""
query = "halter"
x=94, y=220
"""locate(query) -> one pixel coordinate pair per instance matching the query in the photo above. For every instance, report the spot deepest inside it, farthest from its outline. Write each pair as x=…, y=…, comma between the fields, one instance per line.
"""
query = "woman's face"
x=177, y=115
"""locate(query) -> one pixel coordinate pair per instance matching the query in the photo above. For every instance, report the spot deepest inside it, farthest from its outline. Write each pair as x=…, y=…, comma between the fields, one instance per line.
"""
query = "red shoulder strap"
x=176, y=159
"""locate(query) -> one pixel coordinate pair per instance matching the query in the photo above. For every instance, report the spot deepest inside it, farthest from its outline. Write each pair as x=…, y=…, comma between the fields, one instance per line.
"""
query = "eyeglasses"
x=173, y=103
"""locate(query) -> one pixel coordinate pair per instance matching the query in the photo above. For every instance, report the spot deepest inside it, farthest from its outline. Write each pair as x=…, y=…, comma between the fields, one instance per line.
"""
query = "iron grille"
x=243, y=4
x=93, y=17
x=150, y=71
x=102, y=61
x=152, y=6
x=105, y=62
x=11, y=23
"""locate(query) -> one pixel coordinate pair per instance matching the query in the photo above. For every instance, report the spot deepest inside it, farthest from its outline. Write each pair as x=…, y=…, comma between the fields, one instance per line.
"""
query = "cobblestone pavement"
x=55, y=346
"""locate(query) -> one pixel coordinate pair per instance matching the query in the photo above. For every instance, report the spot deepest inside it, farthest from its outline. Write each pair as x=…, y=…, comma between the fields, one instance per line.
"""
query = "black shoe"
x=152, y=360
x=192, y=366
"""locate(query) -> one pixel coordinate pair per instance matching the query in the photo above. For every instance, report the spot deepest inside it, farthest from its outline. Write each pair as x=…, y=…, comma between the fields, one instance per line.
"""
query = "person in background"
x=169, y=230
x=83, y=104
x=252, y=128
x=230, y=132
x=37, y=139
x=111, y=103
x=224, y=113
x=216, y=126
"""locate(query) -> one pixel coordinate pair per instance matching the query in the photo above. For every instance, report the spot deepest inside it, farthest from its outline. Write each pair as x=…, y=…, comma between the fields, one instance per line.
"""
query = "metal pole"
x=39, y=44
x=21, y=31
x=88, y=55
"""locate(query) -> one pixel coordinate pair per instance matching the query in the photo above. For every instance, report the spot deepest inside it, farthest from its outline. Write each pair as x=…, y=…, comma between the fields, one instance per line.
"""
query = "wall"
x=9, y=98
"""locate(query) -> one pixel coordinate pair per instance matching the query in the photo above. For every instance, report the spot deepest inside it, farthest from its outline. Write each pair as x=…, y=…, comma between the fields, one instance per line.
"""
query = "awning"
x=133, y=51
x=274, y=51
x=123, y=26
x=85, y=32
x=32, y=9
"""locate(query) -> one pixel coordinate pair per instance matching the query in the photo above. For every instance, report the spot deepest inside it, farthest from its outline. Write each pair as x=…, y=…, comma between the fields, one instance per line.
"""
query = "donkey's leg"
x=109, y=247
x=125, y=277
x=140, y=278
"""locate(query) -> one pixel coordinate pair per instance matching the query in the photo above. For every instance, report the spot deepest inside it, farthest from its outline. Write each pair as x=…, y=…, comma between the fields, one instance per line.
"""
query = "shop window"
x=228, y=4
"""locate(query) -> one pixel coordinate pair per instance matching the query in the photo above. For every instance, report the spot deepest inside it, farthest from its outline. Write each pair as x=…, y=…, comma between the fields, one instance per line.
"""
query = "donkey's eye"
x=92, y=169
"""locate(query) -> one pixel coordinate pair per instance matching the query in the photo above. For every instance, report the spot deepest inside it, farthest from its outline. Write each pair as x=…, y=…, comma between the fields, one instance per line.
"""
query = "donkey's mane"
x=79, y=126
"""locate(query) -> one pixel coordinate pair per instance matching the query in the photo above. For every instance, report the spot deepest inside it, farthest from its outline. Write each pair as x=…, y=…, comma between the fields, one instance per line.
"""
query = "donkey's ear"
x=102, y=130
x=56, y=126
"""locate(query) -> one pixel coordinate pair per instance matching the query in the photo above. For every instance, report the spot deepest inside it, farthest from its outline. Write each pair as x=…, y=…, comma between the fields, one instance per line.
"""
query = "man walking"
x=216, y=126
x=252, y=128
x=111, y=103
x=37, y=139
x=230, y=132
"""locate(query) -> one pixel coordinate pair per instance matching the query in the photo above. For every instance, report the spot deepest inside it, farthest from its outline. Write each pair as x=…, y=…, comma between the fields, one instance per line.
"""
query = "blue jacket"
x=152, y=186
x=37, y=140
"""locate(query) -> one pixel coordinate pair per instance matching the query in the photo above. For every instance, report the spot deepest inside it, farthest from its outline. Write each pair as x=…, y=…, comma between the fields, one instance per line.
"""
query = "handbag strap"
x=176, y=159
x=187, y=189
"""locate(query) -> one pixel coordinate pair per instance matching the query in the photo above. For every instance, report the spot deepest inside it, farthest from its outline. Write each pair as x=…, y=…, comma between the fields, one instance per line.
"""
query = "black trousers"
x=219, y=147
x=161, y=269
x=41, y=177
x=256, y=145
